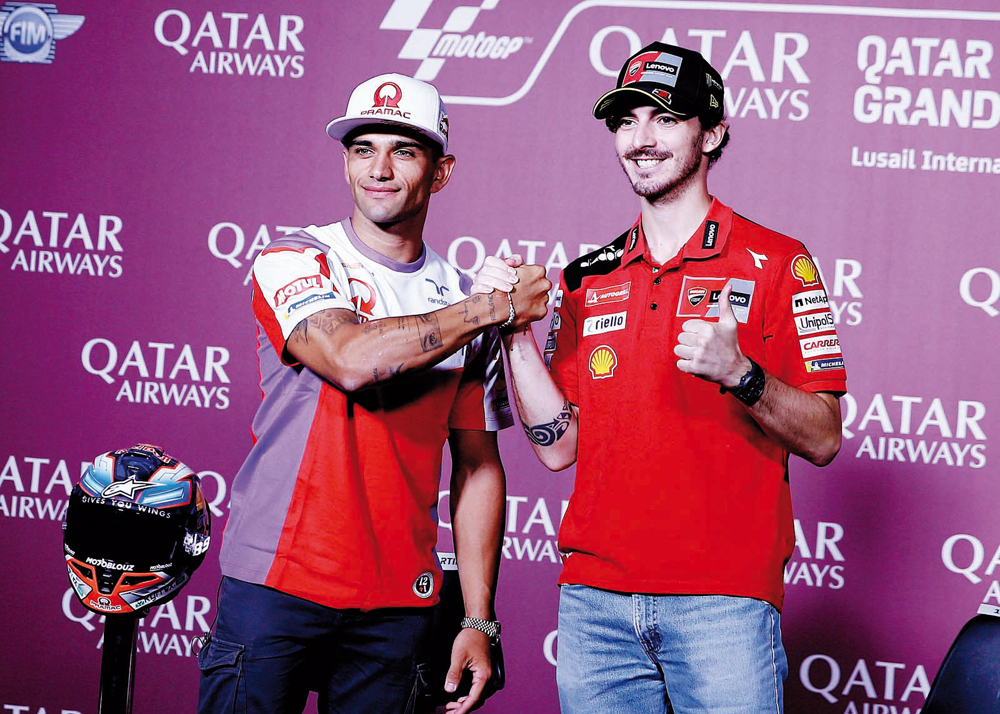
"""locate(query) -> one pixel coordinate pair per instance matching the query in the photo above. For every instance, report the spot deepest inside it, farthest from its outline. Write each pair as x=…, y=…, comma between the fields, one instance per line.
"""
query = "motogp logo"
x=388, y=98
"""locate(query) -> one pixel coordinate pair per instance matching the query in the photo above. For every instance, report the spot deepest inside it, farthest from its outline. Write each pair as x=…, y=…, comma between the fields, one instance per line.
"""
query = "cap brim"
x=340, y=128
x=636, y=95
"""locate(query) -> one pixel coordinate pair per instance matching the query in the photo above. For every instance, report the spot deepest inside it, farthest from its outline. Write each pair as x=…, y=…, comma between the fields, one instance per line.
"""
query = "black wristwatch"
x=751, y=385
x=490, y=627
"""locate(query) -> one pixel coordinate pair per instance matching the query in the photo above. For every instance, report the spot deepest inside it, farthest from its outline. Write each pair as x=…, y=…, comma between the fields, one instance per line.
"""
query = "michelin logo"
x=28, y=31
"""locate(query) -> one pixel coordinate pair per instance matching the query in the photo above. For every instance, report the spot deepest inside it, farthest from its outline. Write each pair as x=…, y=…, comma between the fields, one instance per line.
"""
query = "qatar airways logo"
x=161, y=373
x=172, y=629
x=234, y=43
x=62, y=242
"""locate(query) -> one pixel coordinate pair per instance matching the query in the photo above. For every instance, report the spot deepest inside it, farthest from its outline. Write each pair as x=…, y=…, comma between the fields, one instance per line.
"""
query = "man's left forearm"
x=478, y=500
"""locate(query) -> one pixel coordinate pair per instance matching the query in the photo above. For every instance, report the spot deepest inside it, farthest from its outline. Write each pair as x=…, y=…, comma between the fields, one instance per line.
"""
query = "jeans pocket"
x=219, y=653
x=222, y=684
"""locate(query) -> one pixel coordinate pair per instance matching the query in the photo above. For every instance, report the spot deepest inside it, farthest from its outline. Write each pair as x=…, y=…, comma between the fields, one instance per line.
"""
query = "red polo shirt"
x=678, y=490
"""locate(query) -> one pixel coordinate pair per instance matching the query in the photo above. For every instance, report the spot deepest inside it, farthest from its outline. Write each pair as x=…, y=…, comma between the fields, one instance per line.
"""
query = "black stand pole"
x=118, y=664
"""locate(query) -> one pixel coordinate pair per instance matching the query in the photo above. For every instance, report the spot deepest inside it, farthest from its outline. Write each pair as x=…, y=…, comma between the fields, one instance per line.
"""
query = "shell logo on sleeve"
x=805, y=271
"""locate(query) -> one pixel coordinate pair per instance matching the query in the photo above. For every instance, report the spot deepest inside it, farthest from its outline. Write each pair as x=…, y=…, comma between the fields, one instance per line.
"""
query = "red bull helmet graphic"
x=136, y=528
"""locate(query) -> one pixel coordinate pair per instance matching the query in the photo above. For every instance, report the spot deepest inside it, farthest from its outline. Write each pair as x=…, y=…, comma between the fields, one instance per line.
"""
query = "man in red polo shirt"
x=687, y=359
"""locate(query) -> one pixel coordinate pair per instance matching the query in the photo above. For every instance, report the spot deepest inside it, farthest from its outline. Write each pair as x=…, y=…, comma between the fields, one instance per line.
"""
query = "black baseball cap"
x=677, y=79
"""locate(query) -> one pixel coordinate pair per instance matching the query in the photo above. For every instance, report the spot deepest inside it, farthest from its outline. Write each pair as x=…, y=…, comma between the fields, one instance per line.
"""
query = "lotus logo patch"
x=603, y=361
x=423, y=586
x=805, y=271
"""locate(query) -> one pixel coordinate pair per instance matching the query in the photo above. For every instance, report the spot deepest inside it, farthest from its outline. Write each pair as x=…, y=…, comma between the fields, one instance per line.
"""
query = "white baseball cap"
x=397, y=100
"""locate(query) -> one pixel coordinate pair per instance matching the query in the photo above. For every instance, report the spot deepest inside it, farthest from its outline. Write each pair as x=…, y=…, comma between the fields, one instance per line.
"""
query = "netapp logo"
x=809, y=300
x=604, y=323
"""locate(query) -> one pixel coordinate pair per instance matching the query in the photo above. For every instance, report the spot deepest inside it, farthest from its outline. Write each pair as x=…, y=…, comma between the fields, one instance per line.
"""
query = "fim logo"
x=28, y=31
x=432, y=46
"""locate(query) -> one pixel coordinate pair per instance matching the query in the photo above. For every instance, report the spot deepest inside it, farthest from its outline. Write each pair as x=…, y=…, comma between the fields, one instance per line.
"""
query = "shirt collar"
x=708, y=240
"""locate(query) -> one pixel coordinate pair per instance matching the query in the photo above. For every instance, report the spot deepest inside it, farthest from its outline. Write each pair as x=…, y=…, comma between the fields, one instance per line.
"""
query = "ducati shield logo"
x=696, y=294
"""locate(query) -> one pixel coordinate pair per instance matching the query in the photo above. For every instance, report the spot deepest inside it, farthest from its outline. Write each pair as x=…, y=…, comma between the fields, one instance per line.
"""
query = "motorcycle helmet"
x=137, y=526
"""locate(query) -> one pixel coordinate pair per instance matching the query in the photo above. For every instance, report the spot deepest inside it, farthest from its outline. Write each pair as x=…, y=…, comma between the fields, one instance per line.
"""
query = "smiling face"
x=392, y=176
x=661, y=154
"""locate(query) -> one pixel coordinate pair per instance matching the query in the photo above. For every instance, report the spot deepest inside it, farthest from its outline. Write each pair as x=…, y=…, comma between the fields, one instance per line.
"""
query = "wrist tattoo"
x=550, y=433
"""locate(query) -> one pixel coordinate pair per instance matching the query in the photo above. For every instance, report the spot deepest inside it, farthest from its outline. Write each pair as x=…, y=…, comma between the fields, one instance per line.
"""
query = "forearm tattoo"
x=550, y=433
x=328, y=321
x=430, y=332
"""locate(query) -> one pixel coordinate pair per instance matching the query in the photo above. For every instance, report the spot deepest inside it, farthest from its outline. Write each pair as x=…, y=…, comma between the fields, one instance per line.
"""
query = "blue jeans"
x=270, y=649
x=668, y=653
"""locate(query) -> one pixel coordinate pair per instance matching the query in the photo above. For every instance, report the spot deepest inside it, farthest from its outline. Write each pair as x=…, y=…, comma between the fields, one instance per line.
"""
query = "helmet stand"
x=118, y=663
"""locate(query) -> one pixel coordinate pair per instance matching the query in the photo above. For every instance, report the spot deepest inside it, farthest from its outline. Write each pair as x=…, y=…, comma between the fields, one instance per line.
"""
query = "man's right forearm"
x=549, y=420
x=356, y=355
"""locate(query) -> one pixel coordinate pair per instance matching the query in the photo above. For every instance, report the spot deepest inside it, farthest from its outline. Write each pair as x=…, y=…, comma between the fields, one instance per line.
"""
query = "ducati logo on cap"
x=634, y=67
x=443, y=125
x=390, y=98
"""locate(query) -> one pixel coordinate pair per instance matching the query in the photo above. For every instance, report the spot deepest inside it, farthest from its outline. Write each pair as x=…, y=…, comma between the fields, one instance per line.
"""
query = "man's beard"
x=656, y=189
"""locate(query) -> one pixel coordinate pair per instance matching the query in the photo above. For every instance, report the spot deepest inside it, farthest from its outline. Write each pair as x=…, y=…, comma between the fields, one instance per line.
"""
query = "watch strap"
x=751, y=386
x=491, y=628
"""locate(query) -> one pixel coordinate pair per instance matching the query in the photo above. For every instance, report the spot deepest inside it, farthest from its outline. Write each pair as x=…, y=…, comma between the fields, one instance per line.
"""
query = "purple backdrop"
x=149, y=153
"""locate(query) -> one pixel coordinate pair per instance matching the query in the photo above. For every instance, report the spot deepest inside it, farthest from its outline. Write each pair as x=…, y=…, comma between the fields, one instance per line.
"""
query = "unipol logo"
x=433, y=46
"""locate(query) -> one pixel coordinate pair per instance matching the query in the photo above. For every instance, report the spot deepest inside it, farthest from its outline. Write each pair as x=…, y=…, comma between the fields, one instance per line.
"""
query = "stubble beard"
x=655, y=190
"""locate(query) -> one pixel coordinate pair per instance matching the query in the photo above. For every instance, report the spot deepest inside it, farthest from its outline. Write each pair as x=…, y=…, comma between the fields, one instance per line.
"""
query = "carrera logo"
x=603, y=362
x=805, y=271
x=696, y=294
x=604, y=323
x=809, y=300
x=296, y=287
x=813, y=323
x=815, y=346
x=613, y=293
